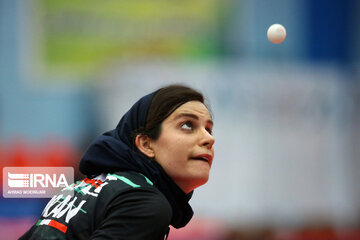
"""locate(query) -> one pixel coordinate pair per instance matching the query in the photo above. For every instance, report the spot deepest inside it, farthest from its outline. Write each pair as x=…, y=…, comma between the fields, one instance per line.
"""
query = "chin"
x=201, y=180
x=187, y=184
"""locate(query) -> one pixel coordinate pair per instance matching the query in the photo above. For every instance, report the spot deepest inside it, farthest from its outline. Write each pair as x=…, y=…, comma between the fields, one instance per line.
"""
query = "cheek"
x=173, y=147
x=172, y=151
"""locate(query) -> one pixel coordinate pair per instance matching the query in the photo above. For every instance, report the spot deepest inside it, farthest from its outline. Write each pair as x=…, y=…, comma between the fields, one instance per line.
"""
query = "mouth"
x=203, y=157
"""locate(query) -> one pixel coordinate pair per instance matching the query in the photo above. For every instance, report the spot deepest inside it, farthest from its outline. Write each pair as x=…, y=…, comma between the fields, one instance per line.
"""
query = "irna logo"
x=38, y=182
x=19, y=180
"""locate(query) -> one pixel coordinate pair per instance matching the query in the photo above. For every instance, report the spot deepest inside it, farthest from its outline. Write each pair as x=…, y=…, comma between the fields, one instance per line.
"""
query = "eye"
x=187, y=125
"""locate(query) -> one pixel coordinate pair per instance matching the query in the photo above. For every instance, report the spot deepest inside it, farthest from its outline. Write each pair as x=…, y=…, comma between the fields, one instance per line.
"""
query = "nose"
x=207, y=139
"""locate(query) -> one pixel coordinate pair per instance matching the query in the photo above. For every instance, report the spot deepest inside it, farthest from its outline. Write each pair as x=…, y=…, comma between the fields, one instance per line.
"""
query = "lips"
x=203, y=157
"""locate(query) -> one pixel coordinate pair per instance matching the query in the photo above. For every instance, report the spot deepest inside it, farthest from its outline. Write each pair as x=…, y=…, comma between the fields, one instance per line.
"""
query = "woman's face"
x=185, y=146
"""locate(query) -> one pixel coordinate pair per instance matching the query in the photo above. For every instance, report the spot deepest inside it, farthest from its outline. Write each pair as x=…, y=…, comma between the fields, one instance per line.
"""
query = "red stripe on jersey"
x=95, y=183
x=58, y=226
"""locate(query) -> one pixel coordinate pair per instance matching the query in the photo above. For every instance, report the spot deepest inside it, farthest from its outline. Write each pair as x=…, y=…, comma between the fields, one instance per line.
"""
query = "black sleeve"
x=136, y=214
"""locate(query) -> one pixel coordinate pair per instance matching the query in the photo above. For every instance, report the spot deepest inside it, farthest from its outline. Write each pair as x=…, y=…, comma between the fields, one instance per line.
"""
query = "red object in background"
x=319, y=234
x=200, y=229
x=50, y=153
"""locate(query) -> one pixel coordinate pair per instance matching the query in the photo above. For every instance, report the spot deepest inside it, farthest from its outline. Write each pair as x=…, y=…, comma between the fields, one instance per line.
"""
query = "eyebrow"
x=190, y=115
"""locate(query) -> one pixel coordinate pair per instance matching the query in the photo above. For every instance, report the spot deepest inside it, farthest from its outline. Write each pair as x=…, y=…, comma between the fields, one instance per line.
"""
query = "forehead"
x=192, y=107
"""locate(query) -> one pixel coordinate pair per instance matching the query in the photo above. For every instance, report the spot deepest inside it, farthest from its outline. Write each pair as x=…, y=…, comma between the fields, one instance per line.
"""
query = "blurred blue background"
x=287, y=116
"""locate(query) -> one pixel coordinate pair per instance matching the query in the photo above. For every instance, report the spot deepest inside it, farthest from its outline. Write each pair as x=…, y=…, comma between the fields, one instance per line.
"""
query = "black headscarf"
x=113, y=152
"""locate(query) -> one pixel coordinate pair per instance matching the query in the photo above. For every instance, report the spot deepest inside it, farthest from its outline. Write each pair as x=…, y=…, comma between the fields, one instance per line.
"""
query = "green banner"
x=81, y=37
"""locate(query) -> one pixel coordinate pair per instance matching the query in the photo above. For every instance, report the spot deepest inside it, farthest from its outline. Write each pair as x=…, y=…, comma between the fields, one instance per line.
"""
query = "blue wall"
x=35, y=112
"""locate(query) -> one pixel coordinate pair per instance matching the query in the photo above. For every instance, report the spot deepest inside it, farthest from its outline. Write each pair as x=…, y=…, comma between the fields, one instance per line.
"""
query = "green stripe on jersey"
x=125, y=180
x=148, y=180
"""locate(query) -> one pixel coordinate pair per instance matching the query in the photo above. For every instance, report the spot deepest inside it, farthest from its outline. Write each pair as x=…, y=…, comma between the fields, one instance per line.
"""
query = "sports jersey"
x=126, y=195
x=121, y=205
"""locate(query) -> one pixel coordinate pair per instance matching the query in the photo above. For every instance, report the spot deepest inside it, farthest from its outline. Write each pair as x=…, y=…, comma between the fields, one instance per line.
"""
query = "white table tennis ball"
x=276, y=33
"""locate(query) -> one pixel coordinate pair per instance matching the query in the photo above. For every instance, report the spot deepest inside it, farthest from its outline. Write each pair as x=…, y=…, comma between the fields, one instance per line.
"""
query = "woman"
x=141, y=175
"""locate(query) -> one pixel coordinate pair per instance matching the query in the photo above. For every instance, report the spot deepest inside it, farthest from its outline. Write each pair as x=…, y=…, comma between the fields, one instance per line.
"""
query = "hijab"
x=113, y=151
